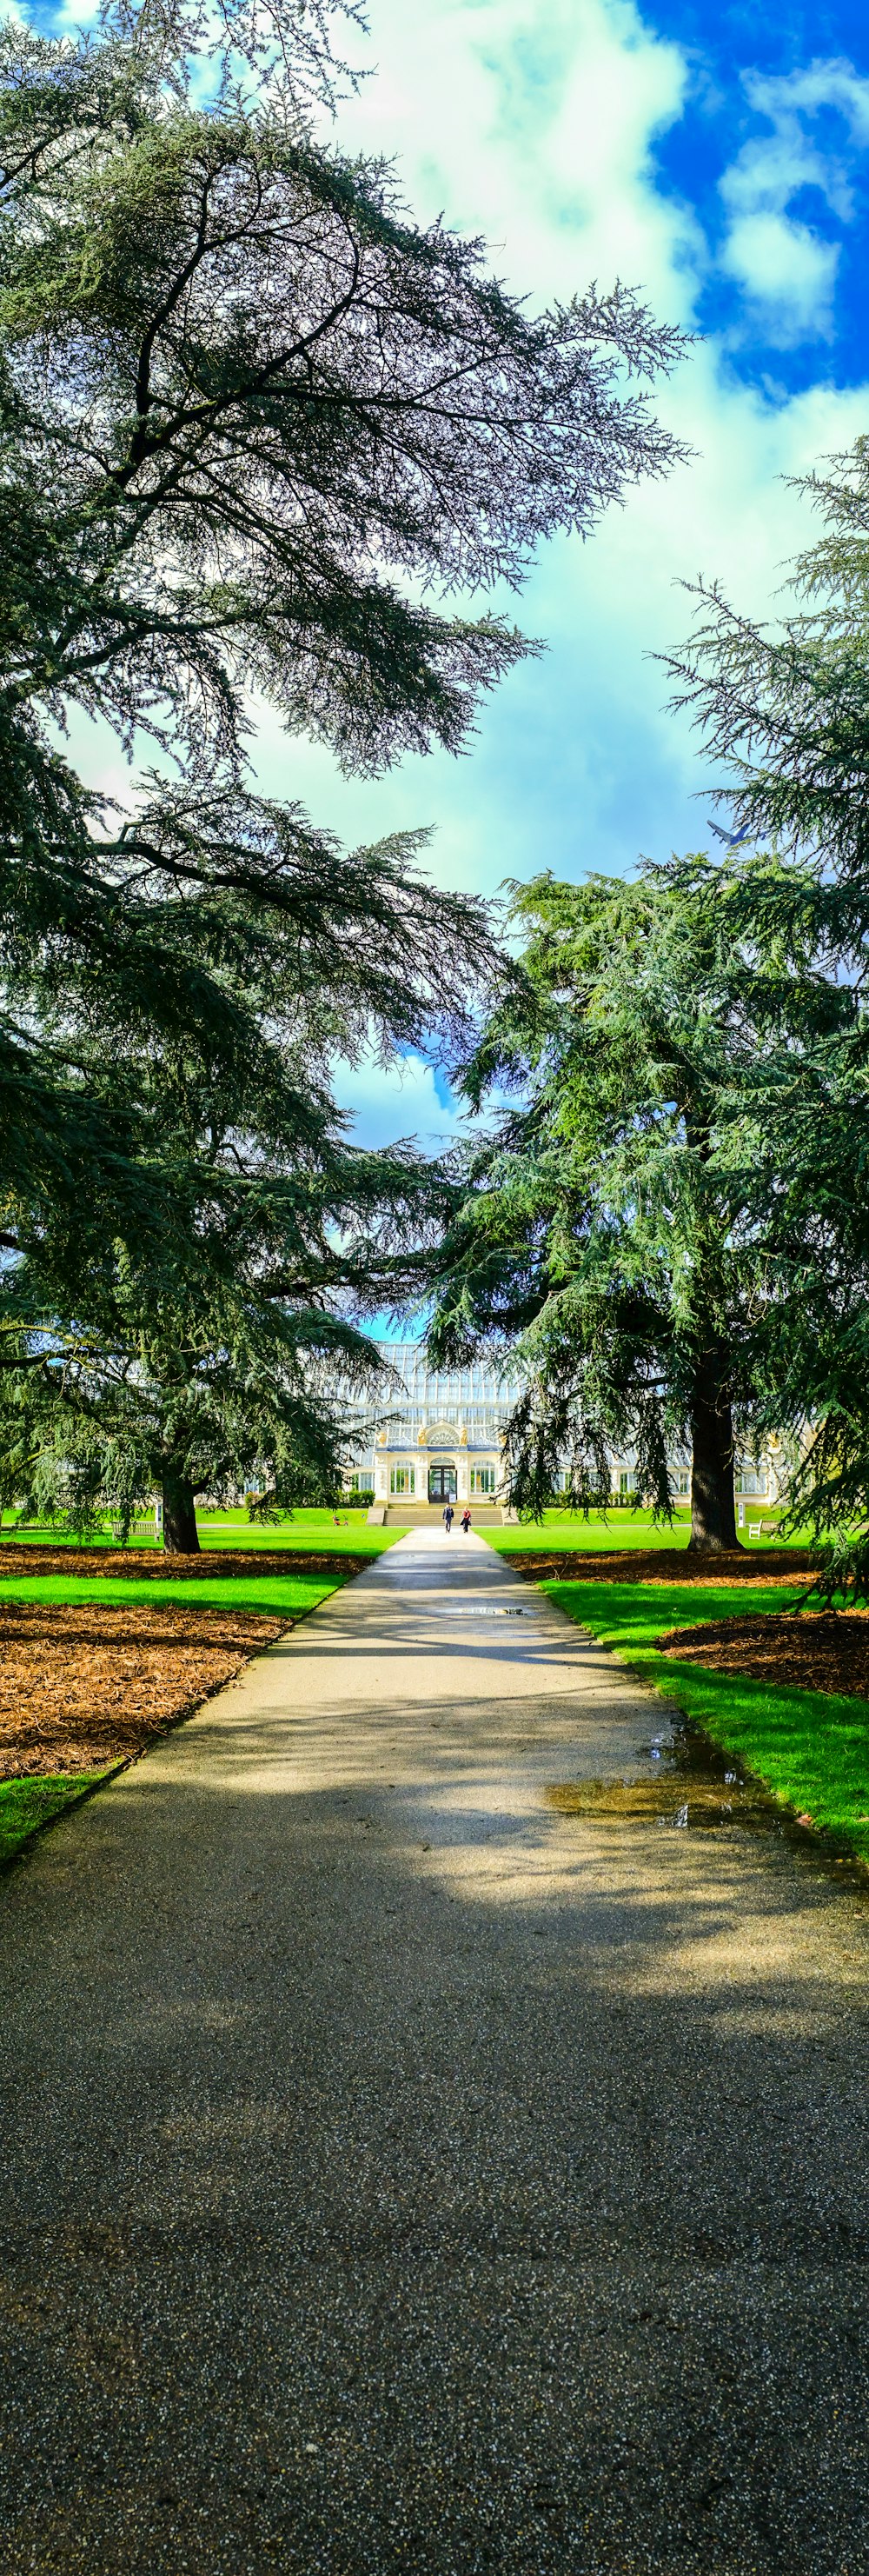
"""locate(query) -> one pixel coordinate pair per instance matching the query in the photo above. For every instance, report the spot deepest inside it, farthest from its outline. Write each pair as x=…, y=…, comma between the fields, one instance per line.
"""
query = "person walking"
x=448, y=1517
x=466, y=1521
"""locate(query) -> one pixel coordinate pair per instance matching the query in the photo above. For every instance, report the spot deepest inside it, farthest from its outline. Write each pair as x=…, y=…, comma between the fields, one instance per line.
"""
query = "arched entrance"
x=442, y=1482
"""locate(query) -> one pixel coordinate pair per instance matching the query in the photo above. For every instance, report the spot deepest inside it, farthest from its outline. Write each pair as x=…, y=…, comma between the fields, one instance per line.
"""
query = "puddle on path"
x=690, y=1785
x=480, y=1610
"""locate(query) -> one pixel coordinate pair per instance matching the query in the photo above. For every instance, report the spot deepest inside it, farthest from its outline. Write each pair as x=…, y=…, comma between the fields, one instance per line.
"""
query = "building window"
x=683, y=1481
x=751, y=1481
x=401, y=1480
x=483, y=1480
x=627, y=1481
x=361, y=1481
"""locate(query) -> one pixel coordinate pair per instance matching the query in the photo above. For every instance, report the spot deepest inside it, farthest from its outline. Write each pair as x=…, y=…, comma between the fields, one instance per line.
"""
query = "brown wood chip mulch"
x=85, y=1685
x=820, y=1651
x=662, y=1565
x=211, y=1565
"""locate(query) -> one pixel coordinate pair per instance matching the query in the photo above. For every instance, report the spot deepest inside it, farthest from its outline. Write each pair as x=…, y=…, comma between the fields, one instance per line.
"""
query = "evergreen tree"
x=250, y=416
x=785, y=710
x=614, y=1220
x=252, y=419
x=211, y=1357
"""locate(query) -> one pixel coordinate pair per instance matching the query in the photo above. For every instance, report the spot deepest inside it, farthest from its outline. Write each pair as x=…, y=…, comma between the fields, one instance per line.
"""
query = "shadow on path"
x=400, y=2175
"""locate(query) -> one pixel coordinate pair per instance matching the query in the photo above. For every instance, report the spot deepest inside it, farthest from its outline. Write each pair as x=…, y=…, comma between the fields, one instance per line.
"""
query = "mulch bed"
x=822, y=1651
x=663, y=1565
x=84, y=1686
x=153, y=1565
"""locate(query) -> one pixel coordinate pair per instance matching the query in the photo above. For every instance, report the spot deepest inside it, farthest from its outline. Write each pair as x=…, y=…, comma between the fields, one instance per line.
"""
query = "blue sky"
x=771, y=152
x=717, y=158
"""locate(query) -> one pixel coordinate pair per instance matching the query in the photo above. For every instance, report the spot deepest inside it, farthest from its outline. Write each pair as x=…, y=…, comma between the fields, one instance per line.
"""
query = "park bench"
x=137, y=1527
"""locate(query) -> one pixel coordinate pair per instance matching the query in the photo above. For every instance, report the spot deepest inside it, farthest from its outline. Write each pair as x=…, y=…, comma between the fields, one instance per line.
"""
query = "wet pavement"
x=421, y=2149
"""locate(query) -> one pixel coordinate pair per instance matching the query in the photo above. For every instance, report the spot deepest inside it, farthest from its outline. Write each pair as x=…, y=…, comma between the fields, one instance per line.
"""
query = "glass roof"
x=440, y=1390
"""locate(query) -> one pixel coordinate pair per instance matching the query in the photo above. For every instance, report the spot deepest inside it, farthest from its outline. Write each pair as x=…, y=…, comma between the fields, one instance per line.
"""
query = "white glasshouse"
x=438, y=1436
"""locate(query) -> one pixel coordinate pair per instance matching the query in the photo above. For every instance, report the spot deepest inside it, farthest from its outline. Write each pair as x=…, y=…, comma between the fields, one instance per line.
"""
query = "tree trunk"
x=180, y=1534
x=713, y=1510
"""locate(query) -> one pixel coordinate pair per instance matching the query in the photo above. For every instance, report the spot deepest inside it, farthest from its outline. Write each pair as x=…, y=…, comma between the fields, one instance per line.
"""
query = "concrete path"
x=400, y=2175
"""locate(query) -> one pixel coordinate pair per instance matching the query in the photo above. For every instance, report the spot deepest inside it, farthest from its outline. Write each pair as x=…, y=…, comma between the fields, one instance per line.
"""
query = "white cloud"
x=786, y=269
x=540, y=134
x=783, y=266
x=534, y=129
x=536, y=126
x=397, y=1100
x=73, y=17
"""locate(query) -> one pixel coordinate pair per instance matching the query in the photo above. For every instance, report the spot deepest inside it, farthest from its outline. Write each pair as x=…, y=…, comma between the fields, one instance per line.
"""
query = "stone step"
x=399, y=1515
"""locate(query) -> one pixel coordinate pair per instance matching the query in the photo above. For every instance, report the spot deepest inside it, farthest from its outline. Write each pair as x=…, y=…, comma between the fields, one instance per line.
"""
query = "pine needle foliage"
x=262, y=438
x=626, y=1219
x=206, y=1357
x=784, y=709
x=254, y=413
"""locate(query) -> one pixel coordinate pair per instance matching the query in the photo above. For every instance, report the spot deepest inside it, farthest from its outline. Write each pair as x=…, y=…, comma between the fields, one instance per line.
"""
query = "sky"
x=717, y=158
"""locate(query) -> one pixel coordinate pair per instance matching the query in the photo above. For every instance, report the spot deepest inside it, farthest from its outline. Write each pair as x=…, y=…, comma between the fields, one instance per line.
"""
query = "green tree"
x=784, y=709
x=255, y=428
x=211, y=1357
x=251, y=416
x=614, y=1228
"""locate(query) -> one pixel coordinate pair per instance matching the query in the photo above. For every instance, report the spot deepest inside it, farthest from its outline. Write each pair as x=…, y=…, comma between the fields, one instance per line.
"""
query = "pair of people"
x=449, y=1517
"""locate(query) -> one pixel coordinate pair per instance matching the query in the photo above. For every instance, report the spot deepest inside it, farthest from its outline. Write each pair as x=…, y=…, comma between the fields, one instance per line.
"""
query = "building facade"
x=439, y=1436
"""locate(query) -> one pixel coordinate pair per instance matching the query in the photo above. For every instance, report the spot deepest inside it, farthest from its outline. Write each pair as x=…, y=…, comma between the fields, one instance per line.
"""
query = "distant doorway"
x=442, y=1484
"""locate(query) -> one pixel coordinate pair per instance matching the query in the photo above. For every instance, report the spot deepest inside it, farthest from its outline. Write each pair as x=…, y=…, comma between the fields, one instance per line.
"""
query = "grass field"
x=283, y=1596
x=811, y=1749
x=621, y=1528
x=27, y=1805
x=306, y=1529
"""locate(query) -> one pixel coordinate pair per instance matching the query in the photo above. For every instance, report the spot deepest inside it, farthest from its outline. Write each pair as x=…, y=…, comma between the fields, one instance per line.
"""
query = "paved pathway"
x=399, y=2175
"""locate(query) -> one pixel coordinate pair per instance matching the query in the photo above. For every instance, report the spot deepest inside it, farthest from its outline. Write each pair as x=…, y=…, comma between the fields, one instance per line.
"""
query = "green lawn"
x=27, y=1805
x=281, y=1596
x=314, y=1530
x=621, y=1528
x=306, y=1529
x=812, y=1751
